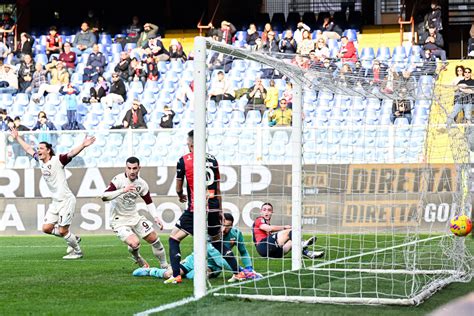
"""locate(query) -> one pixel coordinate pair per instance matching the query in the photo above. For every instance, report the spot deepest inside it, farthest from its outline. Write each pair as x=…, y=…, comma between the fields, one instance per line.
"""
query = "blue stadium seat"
x=399, y=51
x=351, y=34
x=254, y=118
x=130, y=46
x=176, y=66
x=367, y=53
x=383, y=54
x=6, y=99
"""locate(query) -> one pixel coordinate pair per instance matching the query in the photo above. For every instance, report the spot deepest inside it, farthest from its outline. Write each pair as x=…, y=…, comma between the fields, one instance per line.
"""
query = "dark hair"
x=50, y=147
x=133, y=160
x=467, y=68
x=228, y=217
x=267, y=203
x=191, y=134
x=458, y=67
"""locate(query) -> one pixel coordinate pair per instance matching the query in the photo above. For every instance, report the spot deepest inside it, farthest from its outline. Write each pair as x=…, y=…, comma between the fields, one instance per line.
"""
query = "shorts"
x=61, y=212
x=269, y=248
x=142, y=229
x=214, y=224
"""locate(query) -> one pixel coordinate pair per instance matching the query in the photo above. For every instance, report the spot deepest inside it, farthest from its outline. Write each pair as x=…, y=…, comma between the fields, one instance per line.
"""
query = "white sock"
x=159, y=251
x=134, y=251
x=72, y=241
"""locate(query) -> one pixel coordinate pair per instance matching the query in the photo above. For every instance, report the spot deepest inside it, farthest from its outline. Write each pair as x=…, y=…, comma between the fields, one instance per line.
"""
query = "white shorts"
x=61, y=212
x=142, y=229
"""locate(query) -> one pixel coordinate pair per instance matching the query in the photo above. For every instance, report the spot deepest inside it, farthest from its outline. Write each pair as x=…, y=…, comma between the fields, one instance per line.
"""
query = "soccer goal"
x=378, y=195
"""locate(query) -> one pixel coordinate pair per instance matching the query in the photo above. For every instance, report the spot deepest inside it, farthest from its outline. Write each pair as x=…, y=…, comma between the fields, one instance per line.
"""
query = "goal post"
x=369, y=185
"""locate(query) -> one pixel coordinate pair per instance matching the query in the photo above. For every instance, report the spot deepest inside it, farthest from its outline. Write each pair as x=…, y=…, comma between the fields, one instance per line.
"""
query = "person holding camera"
x=256, y=97
x=401, y=108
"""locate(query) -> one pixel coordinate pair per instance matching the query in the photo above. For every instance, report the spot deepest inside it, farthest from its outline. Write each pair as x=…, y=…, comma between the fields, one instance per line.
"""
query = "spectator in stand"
x=470, y=42
x=19, y=127
x=185, y=93
x=226, y=32
x=132, y=32
x=68, y=57
x=328, y=67
x=329, y=30
x=433, y=41
x=118, y=91
x=376, y=75
x=7, y=29
x=167, y=118
x=281, y=116
x=59, y=77
x=401, y=108
x=135, y=117
x=218, y=60
x=25, y=73
x=459, y=73
x=149, y=31
x=8, y=80
x=428, y=67
x=176, y=51
x=221, y=89
x=406, y=84
x=463, y=97
x=252, y=36
x=434, y=17
x=305, y=45
x=99, y=90
x=123, y=65
x=345, y=75
x=298, y=34
x=288, y=44
x=151, y=69
x=69, y=93
x=271, y=101
x=53, y=42
x=84, y=40
x=256, y=97
x=16, y=124
x=44, y=125
x=321, y=51
x=24, y=47
x=271, y=44
x=267, y=29
x=4, y=118
x=4, y=50
x=288, y=94
x=155, y=47
x=136, y=71
x=347, y=52
x=95, y=65
x=94, y=23
x=38, y=78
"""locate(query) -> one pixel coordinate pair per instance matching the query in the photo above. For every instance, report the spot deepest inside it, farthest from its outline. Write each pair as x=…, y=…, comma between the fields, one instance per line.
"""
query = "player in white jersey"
x=127, y=223
x=58, y=218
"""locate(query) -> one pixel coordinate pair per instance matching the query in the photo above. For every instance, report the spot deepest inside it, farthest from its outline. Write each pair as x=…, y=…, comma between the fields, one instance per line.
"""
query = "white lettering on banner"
x=40, y=212
x=247, y=210
x=92, y=184
x=161, y=175
x=247, y=186
x=107, y=216
x=172, y=189
x=230, y=178
x=234, y=210
x=168, y=206
x=440, y=213
x=11, y=218
x=13, y=178
x=29, y=182
x=89, y=212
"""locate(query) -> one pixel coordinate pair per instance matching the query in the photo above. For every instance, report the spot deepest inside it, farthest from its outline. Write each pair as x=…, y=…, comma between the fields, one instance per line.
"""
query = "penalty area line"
x=164, y=307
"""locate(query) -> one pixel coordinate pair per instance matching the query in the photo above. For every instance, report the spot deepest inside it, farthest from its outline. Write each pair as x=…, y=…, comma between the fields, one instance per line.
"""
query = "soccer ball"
x=460, y=225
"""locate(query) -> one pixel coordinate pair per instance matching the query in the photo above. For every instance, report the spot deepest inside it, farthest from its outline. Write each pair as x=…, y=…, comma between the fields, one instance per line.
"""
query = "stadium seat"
x=383, y=54
x=6, y=100
x=129, y=46
x=367, y=53
x=351, y=34
x=135, y=87
x=254, y=118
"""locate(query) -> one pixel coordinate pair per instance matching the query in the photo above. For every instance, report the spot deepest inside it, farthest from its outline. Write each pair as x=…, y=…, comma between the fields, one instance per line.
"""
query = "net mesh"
x=379, y=186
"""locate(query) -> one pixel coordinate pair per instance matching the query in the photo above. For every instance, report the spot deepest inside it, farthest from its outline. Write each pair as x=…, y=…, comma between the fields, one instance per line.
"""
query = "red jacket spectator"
x=347, y=52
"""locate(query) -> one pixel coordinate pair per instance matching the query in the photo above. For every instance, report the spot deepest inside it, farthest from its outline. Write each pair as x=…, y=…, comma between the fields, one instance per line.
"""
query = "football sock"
x=72, y=241
x=175, y=256
x=157, y=272
x=159, y=251
x=134, y=251
x=227, y=254
x=289, y=235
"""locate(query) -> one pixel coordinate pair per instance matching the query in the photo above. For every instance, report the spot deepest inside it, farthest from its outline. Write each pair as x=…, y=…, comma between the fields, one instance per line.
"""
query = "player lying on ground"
x=58, y=218
x=274, y=241
x=215, y=265
x=127, y=223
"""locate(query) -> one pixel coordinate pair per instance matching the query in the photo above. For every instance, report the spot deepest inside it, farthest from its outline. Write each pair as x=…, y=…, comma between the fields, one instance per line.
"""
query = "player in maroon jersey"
x=274, y=241
x=185, y=224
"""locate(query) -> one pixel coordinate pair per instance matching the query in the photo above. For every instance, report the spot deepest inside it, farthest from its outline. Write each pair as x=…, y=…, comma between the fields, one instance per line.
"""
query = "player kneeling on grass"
x=215, y=265
x=58, y=218
x=273, y=241
x=126, y=221
x=232, y=236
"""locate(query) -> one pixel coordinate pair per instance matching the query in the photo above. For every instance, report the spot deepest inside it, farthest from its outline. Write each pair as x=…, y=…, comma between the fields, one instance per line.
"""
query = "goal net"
x=377, y=191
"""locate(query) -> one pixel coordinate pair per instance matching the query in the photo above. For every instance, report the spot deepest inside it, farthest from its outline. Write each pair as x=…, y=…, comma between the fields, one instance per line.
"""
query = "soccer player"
x=273, y=241
x=58, y=218
x=127, y=223
x=234, y=237
x=185, y=224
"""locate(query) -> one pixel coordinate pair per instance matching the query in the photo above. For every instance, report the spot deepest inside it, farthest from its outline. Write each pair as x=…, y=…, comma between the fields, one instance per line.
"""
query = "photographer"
x=401, y=108
x=256, y=97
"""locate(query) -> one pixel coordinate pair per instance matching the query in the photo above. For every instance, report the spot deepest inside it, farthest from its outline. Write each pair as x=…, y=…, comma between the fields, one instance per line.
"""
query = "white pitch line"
x=54, y=246
x=162, y=308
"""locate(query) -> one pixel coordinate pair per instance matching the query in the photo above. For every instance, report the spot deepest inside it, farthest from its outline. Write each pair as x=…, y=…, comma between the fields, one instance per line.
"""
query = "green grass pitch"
x=35, y=280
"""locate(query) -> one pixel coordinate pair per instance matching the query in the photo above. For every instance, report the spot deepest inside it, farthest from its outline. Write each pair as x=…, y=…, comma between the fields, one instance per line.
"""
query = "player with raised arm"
x=185, y=224
x=123, y=192
x=58, y=218
x=274, y=241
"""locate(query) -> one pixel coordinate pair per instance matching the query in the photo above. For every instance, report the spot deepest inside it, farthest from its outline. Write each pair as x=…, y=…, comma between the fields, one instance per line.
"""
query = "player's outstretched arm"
x=274, y=228
x=88, y=140
x=28, y=149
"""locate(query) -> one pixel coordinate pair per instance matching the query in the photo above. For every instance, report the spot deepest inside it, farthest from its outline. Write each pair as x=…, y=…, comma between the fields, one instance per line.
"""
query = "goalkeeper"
x=232, y=237
x=215, y=265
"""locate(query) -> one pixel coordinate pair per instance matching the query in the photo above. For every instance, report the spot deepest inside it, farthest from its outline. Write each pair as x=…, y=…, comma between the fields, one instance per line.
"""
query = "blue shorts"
x=269, y=248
